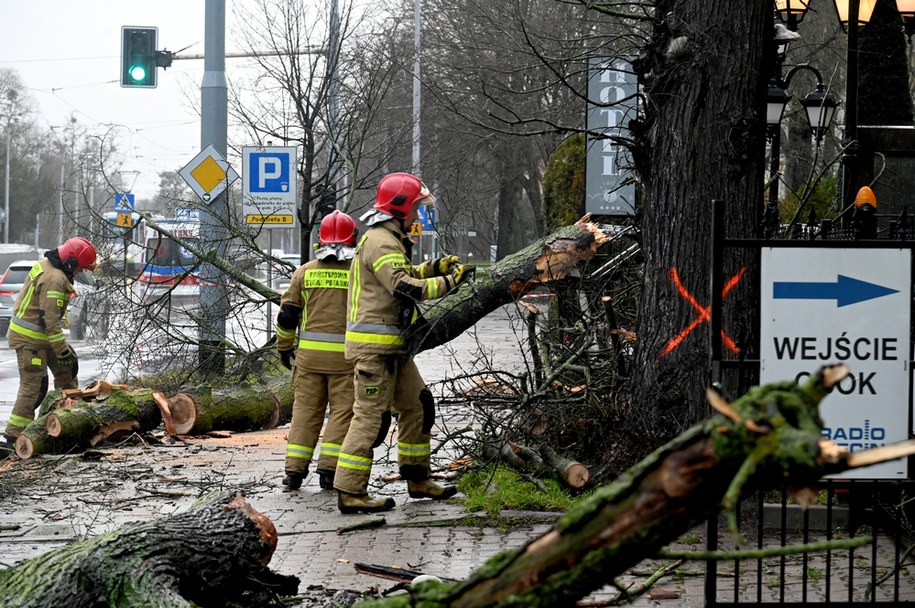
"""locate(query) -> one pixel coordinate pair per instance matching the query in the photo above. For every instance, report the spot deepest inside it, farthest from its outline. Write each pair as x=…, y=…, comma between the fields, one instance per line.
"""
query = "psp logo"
x=269, y=172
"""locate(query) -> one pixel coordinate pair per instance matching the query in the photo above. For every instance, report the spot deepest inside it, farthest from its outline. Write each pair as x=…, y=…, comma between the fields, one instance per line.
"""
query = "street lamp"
x=819, y=108
x=11, y=96
x=849, y=10
x=792, y=11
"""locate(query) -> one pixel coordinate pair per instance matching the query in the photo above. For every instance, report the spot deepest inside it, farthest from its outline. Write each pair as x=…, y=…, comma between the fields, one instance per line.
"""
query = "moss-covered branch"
x=769, y=436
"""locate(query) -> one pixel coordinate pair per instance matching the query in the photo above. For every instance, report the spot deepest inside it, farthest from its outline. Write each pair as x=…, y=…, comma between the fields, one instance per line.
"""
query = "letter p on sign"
x=269, y=172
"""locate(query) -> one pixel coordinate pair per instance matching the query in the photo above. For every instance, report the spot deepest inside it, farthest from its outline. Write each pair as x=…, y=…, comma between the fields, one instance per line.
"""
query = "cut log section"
x=159, y=563
x=76, y=420
x=541, y=461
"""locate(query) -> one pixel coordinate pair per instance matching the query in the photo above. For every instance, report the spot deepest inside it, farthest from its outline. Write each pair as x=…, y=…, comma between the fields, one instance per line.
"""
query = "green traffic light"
x=138, y=56
x=137, y=73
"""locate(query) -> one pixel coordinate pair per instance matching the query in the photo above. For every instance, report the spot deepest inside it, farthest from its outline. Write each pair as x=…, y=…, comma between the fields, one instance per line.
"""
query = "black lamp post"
x=819, y=108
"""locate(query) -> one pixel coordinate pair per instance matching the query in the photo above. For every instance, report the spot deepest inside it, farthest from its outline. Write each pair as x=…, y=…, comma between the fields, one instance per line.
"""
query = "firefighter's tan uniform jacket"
x=36, y=332
x=322, y=375
x=384, y=289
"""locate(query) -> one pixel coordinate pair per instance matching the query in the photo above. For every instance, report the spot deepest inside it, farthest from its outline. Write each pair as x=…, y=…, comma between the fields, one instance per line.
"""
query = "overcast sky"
x=67, y=53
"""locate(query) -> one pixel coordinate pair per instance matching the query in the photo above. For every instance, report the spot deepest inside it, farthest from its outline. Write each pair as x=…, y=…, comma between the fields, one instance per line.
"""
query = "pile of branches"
x=562, y=398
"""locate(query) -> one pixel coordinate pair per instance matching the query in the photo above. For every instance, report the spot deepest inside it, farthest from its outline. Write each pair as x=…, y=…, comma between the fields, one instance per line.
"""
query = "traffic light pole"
x=214, y=115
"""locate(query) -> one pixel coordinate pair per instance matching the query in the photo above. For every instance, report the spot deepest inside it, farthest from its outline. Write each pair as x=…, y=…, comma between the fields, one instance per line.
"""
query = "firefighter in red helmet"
x=310, y=327
x=380, y=309
x=36, y=329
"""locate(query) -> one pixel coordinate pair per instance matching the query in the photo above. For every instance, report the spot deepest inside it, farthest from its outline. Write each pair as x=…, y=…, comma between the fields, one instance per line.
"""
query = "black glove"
x=286, y=357
x=67, y=359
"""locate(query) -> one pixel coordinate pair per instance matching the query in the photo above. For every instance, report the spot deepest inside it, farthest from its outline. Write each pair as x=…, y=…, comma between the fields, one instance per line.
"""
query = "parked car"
x=282, y=273
x=10, y=284
x=87, y=311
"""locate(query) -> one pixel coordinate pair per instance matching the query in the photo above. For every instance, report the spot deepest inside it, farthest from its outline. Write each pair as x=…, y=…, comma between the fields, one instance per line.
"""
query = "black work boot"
x=326, y=479
x=293, y=479
x=7, y=446
x=362, y=503
x=430, y=489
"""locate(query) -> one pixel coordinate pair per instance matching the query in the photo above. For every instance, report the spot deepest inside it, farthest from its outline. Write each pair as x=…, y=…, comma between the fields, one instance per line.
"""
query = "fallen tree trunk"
x=200, y=410
x=79, y=419
x=769, y=436
x=241, y=408
x=541, y=461
x=159, y=563
x=73, y=420
x=553, y=258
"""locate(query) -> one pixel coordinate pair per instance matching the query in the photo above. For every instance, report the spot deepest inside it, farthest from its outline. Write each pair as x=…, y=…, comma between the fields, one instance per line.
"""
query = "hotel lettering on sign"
x=852, y=306
x=612, y=88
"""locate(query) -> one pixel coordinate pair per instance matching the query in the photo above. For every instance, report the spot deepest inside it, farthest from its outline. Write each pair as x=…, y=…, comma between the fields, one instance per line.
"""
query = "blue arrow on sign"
x=844, y=291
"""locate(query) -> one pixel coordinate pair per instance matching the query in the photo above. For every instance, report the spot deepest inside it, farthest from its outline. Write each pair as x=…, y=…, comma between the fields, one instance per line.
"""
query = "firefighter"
x=315, y=305
x=380, y=307
x=36, y=329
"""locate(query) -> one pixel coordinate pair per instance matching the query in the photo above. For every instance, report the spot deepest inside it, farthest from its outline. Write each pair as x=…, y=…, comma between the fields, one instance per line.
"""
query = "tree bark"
x=551, y=259
x=74, y=420
x=77, y=419
x=769, y=436
x=702, y=138
x=241, y=408
x=158, y=563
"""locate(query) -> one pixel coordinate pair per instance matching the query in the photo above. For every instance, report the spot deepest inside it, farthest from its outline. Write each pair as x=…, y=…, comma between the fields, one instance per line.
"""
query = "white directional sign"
x=269, y=193
x=851, y=306
x=208, y=174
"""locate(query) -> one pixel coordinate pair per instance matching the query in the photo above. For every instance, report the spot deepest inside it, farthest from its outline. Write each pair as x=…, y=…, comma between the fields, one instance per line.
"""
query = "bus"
x=120, y=246
x=167, y=267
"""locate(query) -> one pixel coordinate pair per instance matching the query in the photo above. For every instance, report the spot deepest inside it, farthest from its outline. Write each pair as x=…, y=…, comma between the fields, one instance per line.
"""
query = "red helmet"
x=399, y=192
x=337, y=228
x=77, y=253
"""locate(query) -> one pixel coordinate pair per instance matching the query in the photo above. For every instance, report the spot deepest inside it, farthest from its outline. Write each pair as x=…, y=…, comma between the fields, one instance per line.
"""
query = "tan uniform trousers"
x=313, y=392
x=34, y=362
x=383, y=382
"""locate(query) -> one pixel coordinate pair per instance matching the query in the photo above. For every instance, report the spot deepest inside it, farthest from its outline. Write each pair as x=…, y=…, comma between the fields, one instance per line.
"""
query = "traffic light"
x=138, y=56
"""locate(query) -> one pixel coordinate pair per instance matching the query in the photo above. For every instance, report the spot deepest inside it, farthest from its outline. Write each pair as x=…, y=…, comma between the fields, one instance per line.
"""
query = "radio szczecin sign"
x=851, y=306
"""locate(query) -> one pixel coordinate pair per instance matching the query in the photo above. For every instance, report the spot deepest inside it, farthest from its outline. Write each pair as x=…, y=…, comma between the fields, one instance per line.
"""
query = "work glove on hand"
x=67, y=359
x=286, y=357
x=460, y=273
x=444, y=265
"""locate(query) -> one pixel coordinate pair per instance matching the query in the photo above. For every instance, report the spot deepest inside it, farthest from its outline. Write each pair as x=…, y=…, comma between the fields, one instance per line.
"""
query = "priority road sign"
x=851, y=306
x=269, y=185
x=208, y=174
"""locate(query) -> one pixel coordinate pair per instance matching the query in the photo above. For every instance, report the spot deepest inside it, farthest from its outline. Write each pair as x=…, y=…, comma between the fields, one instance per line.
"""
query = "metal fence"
x=880, y=572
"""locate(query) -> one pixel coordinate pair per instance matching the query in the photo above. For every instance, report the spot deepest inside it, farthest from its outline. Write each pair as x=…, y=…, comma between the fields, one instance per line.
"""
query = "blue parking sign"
x=269, y=172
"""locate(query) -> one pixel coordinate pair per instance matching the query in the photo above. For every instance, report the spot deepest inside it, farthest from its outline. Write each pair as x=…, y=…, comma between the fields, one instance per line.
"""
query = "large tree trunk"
x=702, y=138
x=551, y=259
x=78, y=419
x=158, y=564
x=770, y=436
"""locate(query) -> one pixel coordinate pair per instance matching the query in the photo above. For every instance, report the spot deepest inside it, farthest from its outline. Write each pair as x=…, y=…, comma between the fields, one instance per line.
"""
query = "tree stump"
x=158, y=563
